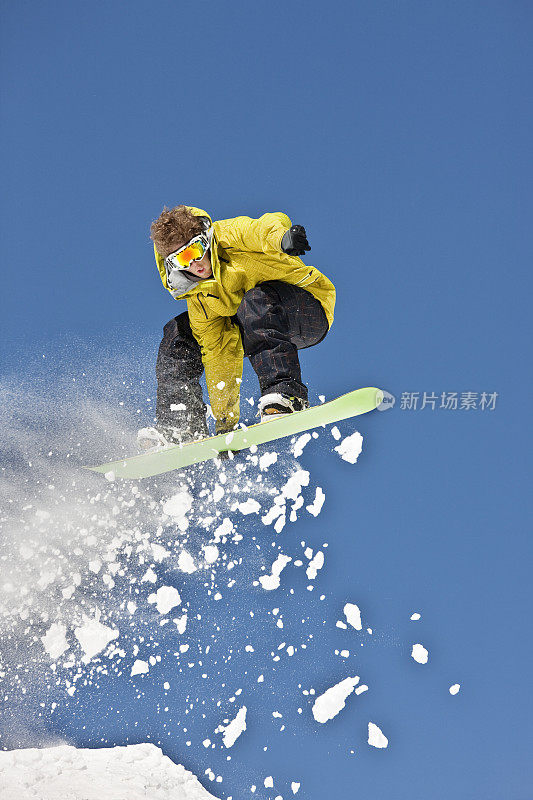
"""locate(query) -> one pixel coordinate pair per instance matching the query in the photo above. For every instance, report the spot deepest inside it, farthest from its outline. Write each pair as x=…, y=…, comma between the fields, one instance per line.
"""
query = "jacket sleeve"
x=261, y=235
x=222, y=357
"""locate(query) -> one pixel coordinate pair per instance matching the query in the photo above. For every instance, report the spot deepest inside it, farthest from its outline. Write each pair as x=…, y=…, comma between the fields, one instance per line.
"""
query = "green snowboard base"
x=177, y=456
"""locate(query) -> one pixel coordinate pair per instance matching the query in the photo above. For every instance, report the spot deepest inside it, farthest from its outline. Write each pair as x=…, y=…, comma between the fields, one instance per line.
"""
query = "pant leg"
x=276, y=320
x=178, y=371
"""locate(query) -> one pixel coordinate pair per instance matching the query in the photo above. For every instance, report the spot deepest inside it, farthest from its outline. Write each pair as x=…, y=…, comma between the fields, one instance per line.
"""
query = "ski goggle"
x=192, y=251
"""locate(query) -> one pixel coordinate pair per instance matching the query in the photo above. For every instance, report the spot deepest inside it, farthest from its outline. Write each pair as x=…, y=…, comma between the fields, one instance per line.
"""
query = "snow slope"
x=135, y=772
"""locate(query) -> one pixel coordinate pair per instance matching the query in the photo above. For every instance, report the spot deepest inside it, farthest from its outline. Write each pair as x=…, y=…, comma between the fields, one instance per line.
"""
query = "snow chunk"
x=293, y=486
x=224, y=529
x=376, y=737
x=455, y=688
x=135, y=771
x=210, y=553
x=272, y=581
x=139, y=668
x=272, y=514
x=315, y=564
x=55, y=641
x=280, y=523
x=235, y=728
x=335, y=432
x=420, y=654
x=94, y=637
x=165, y=599
x=333, y=700
x=149, y=576
x=415, y=616
x=186, y=562
x=353, y=616
x=178, y=506
x=316, y=507
x=350, y=447
x=290, y=491
x=300, y=443
x=218, y=493
x=250, y=506
x=181, y=623
x=295, y=786
x=269, y=582
x=266, y=461
x=159, y=552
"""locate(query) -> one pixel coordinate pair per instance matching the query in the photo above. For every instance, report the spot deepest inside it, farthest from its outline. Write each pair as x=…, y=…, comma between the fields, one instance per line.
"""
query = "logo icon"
x=387, y=402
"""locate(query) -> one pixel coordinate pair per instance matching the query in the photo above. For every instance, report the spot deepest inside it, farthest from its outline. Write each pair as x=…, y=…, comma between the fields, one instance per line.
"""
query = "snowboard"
x=165, y=459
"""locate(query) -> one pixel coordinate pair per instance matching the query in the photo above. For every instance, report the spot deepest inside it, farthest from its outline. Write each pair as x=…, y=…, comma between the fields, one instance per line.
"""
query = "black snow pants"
x=276, y=320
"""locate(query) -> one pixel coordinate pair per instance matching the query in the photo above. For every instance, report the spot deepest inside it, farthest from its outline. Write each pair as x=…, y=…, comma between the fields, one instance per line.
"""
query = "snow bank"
x=138, y=771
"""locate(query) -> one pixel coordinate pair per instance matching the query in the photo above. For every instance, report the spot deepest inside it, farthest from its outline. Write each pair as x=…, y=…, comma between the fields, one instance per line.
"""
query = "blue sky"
x=400, y=135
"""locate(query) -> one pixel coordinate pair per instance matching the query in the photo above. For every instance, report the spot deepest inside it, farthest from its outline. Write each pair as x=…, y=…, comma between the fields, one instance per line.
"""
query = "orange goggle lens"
x=183, y=258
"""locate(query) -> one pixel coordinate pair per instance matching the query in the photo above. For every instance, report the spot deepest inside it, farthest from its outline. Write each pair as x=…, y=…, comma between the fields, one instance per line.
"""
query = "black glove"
x=294, y=241
x=225, y=426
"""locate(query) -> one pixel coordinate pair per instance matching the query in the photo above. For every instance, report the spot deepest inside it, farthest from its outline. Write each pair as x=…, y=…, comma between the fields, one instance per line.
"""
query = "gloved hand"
x=294, y=241
x=225, y=427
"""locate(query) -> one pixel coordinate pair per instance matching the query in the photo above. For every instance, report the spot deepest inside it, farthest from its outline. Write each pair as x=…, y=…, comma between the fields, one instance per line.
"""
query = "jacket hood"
x=182, y=283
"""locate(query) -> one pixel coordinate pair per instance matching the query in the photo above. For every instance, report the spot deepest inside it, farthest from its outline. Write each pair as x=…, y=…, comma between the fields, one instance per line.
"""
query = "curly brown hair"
x=173, y=228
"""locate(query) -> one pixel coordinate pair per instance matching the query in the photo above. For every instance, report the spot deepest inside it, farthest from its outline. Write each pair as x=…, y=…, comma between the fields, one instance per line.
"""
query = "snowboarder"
x=248, y=293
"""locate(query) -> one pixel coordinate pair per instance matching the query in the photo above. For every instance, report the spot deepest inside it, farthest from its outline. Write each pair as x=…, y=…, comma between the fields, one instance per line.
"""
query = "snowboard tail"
x=146, y=465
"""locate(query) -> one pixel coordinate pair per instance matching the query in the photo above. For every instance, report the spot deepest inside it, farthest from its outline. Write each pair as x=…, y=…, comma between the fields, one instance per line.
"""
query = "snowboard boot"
x=156, y=438
x=150, y=439
x=276, y=404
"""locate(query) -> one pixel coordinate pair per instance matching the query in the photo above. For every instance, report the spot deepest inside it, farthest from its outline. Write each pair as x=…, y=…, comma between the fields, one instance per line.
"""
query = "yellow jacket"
x=244, y=252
